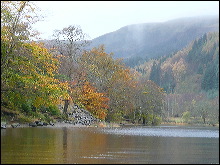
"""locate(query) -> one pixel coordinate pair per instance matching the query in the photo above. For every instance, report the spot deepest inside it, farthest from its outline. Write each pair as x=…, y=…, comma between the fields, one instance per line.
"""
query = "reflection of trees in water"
x=79, y=143
x=64, y=144
x=92, y=146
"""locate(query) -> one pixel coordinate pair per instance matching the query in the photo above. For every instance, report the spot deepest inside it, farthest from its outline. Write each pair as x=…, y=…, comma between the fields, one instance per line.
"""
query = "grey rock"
x=3, y=125
x=14, y=125
x=33, y=124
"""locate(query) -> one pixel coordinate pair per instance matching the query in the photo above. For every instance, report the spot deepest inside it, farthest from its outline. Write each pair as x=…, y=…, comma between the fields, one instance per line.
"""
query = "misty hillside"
x=190, y=77
x=192, y=69
x=155, y=39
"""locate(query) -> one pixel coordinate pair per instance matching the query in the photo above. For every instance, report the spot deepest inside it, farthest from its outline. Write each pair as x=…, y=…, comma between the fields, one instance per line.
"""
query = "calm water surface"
x=153, y=145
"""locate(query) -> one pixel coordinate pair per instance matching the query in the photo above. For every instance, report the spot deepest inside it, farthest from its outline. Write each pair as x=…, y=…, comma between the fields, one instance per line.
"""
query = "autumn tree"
x=28, y=72
x=16, y=20
x=152, y=97
x=94, y=102
x=111, y=77
x=14, y=29
x=32, y=79
x=69, y=42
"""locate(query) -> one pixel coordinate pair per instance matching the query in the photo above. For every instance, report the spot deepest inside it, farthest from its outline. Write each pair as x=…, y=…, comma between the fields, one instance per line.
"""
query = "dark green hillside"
x=190, y=78
x=156, y=39
x=200, y=59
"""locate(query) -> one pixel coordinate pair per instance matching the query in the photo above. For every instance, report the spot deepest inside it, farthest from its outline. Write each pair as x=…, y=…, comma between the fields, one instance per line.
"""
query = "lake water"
x=127, y=144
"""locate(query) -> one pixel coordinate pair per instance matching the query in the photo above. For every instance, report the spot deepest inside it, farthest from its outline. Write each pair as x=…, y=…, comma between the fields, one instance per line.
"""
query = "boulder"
x=52, y=124
x=39, y=123
x=33, y=124
x=45, y=123
x=3, y=125
x=14, y=125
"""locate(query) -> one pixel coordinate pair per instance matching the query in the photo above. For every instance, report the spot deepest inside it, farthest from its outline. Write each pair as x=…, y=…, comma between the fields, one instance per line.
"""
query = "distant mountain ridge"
x=155, y=39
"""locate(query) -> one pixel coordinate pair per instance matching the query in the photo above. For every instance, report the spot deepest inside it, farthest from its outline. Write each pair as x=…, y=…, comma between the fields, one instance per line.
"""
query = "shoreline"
x=109, y=125
x=188, y=124
x=67, y=125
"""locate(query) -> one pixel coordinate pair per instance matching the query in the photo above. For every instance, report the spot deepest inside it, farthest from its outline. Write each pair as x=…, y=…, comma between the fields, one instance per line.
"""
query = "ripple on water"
x=163, y=132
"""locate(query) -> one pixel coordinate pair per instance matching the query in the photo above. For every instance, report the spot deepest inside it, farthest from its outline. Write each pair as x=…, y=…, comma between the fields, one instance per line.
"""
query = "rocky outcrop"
x=77, y=115
x=40, y=123
x=15, y=125
x=33, y=124
x=3, y=125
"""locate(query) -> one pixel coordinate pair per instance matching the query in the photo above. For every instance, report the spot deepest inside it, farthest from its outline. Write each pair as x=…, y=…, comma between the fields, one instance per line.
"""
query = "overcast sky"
x=100, y=17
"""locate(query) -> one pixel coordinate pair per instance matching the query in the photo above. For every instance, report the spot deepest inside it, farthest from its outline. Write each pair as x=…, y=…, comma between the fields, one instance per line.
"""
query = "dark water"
x=164, y=144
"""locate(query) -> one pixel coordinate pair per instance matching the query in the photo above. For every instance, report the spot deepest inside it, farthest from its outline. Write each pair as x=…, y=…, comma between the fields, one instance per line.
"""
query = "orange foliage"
x=94, y=102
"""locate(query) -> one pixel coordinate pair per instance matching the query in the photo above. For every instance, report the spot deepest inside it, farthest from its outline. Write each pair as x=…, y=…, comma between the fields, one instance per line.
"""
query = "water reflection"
x=109, y=145
x=64, y=144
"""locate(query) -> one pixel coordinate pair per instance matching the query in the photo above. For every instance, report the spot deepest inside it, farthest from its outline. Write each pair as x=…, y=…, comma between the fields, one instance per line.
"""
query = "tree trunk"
x=203, y=119
x=144, y=121
x=65, y=106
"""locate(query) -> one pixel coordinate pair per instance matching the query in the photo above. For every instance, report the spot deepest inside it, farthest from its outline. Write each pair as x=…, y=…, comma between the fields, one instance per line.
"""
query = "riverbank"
x=68, y=125
x=58, y=124
x=109, y=125
x=189, y=124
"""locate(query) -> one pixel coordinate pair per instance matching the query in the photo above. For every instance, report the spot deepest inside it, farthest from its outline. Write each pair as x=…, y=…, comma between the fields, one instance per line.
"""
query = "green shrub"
x=148, y=119
x=186, y=116
x=53, y=110
x=24, y=118
x=26, y=107
x=157, y=120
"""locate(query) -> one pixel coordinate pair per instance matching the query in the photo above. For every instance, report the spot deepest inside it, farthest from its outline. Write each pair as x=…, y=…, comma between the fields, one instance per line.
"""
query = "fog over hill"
x=155, y=39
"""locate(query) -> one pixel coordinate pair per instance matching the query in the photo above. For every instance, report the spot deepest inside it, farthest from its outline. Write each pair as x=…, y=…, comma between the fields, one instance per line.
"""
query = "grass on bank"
x=190, y=121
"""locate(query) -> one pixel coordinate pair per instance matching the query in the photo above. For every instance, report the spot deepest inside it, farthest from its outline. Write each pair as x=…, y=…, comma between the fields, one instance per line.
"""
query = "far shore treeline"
x=36, y=76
